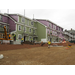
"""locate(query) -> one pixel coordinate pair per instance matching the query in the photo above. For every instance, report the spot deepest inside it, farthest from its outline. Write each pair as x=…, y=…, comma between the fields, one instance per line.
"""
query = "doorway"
x=50, y=39
x=24, y=38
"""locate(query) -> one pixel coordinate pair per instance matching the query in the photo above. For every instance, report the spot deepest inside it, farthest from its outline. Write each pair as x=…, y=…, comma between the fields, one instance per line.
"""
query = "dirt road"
x=39, y=56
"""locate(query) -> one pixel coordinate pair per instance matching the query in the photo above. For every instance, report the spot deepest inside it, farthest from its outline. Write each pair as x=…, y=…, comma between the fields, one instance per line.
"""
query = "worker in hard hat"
x=9, y=36
x=49, y=44
x=31, y=40
x=22, y=41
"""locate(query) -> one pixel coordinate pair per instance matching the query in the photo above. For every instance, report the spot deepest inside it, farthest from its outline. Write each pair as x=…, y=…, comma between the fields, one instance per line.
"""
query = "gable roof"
x=49, y=21
x=40, y=23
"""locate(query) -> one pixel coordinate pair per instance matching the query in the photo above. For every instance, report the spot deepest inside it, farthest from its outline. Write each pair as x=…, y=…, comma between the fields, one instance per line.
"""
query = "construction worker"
x=49, y=44
x=9, y=36
x=31, y=39
x=22, y=41
x=14, y=37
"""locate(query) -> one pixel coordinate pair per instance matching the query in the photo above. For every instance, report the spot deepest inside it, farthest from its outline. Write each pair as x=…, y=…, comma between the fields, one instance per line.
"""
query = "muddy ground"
x=38, y=55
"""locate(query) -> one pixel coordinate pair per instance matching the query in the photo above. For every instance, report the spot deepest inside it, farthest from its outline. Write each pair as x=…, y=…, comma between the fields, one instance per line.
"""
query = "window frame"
x=29, y=30
x=18, y=27
x=25, y=29
x=19, y=35
x=22, y=19
x=32, y=23
x=33, y=31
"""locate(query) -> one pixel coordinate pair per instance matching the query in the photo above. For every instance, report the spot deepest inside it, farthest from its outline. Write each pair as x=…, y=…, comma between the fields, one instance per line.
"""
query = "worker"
x=22, y=41
x=14, y=37
x=49, y=44
x=9, y=36
x=31, y=39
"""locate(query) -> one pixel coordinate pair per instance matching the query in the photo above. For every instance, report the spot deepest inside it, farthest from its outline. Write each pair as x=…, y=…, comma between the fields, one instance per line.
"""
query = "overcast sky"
x=62, y=17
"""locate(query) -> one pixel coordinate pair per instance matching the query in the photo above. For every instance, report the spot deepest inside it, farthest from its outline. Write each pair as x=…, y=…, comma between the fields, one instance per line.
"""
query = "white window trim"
x=28, y=22
x=34, y=30
x=31, y=23
x=21, y=19
x=18, y=36
x=25, y=29
x=18, y=27
x=29, y=30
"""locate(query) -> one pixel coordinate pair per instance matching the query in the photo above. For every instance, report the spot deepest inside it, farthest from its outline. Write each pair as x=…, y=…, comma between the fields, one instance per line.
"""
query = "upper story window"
x=27, y=22
x=54, y=27
x=30, y=30
x=19, y=28
x=23, y=19
x=0, y=17
x=32, y=22
x=34, y=31
x=50, y=25
x=25, y=29
x=58, y=28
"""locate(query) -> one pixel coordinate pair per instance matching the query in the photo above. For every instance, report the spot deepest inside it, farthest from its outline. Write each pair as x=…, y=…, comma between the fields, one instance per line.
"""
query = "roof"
x=39, y=22
x=49, y=21
x=71, y=31
x=21, y=15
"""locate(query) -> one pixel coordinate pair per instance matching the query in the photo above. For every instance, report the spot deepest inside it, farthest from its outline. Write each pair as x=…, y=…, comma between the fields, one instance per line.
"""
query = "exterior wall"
x=41, y=31
x=43, y=22
x=12, y=25
x=27, y=25
x=54, y=29
x=15, y=17
x=4, y=19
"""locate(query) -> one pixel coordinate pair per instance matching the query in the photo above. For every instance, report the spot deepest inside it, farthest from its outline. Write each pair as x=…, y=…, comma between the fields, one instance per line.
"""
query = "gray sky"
x=62, y=17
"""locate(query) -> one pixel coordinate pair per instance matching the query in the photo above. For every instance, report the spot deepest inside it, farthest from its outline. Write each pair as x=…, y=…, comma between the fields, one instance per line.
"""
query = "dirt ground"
x=38, y=55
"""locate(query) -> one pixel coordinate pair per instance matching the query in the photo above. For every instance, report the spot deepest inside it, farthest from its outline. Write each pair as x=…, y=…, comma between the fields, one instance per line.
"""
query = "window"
x=48, y=31
x=53, y=26
x=23, y=19
x=19, y=36
x=58, y=28
x=0, y=17
x=19, y=28
x=33, y=31
x=27, y=22
x=29, y=30
x=32, y=22
x=25, y=29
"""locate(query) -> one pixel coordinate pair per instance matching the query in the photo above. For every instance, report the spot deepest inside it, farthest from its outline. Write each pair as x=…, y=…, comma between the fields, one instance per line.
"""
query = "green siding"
x=41, y=31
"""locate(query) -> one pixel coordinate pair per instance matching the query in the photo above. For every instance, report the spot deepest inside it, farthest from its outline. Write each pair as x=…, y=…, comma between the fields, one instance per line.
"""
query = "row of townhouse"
x=69, y=35
x=38, y=29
